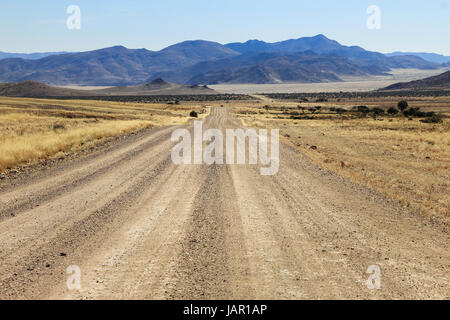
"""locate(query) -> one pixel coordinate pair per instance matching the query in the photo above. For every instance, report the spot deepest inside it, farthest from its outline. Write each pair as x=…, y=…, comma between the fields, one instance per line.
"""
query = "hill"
x=33, y=89
x=320, y=44
x=31, y=56
x=431, y=57
x=278, y=67
x=114, y=66
x=156, y=87
x=256, y=67
x=440, y=82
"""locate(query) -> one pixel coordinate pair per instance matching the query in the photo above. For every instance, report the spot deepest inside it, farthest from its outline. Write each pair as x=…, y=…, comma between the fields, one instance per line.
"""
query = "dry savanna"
x=91, y=184
x=403, y=155
x=34, y=131
x=406, y=157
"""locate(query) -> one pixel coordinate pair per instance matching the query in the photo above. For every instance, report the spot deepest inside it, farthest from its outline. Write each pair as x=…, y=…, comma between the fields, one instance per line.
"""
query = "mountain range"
x=307, y=59
x=31, y=56
x=431, y=57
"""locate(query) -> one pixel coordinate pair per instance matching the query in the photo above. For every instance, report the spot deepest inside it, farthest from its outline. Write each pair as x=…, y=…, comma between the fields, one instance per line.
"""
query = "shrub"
x=402, y=105
x=392, y=110
x=433, y=119
x=377, y=111
x=413, y=112
x=58, y=126
x=363, y=109
x=194, y=114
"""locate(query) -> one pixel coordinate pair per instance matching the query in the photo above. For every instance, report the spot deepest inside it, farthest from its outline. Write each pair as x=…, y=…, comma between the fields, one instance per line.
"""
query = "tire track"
x=12, y=207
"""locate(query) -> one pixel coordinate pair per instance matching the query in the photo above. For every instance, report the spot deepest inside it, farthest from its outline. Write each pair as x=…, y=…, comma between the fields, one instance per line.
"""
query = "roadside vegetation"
x=401, y=148
x=327, y=96
x=35, y=130
x=170, y=99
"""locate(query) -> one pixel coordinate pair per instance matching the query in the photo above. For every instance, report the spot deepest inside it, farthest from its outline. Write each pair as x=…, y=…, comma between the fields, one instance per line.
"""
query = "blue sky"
x=35, y=26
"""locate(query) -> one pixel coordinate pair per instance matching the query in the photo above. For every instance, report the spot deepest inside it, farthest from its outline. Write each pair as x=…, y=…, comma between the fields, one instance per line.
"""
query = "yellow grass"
x=35, y=129
x=32, y=146
x=406, y=160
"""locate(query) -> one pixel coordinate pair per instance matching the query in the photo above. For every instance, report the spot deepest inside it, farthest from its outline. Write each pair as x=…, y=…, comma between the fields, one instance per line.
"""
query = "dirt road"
x=139, y=226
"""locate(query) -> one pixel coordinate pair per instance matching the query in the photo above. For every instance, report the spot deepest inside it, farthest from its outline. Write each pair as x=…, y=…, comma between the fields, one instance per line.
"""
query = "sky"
x=41, y=26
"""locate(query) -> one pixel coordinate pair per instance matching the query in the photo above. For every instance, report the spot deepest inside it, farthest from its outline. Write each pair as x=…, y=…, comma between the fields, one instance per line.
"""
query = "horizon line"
x=224, y=44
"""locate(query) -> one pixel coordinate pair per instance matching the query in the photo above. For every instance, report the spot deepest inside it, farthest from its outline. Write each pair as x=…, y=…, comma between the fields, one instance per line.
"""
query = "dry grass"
x=36, y=129
x=406, y=160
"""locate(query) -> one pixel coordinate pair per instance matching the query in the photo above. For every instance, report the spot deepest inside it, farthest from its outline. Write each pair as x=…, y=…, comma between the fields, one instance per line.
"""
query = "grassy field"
x=403, y=158
x=36, y=129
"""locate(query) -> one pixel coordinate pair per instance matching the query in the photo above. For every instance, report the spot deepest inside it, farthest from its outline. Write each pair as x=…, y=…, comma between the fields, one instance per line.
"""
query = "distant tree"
x=402, y=105
x=377, y=111
x=392, y=111
x=413, y=112
x=362, y=109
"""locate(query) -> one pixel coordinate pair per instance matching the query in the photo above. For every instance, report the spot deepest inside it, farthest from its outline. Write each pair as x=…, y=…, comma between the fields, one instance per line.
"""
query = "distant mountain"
x=404, y=62
x=191, y=52
x=373, y=61
x=440, y=82
x=431, y=57
x=254, y=67
x=109, y=66
x=31, y=56
x=309, y=59
x=318, y=44
x=112, y=66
